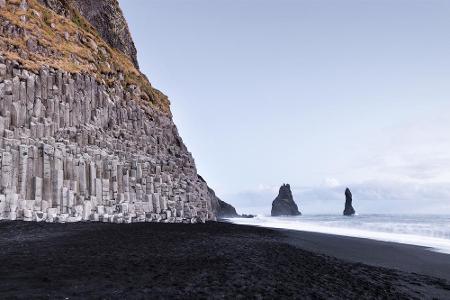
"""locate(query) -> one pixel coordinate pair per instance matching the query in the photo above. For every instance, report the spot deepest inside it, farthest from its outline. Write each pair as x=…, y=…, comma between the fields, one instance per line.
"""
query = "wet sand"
x=179, y=261
x=404, y=257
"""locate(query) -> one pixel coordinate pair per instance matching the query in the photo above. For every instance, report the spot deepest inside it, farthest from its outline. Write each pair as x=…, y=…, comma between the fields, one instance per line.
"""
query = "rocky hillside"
x=105, y=16
x=34, y=35
x=83, y=134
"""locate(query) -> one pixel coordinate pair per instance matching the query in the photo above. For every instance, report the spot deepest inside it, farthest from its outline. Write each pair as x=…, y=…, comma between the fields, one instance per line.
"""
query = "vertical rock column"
x=72, y=149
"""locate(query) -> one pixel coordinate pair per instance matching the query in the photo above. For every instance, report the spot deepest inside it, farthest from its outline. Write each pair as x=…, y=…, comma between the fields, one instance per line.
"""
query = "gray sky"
x=319, y=94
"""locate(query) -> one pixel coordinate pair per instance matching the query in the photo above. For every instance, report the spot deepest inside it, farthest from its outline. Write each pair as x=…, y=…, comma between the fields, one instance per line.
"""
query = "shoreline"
x=432, y=243
x=388, y=254
x=391, y=255
x=184, y=261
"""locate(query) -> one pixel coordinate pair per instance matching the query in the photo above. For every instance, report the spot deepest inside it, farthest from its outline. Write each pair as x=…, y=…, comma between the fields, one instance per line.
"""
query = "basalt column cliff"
x=83, y=134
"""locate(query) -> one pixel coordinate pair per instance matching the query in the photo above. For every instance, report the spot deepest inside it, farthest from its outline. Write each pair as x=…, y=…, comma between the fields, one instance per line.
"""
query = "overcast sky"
x=319, y=94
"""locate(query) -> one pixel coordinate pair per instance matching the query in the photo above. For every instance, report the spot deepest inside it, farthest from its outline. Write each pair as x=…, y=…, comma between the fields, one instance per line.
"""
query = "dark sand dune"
x=214, y=260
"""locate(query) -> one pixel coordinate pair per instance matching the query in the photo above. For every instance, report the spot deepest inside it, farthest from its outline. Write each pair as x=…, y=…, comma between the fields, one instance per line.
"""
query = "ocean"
x=430, y=231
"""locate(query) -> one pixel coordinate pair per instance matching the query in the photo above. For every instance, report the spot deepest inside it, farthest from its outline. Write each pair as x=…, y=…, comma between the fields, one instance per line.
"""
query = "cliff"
x=83, y=134
x=33, y=35
x=105, y=16
x=220, y=208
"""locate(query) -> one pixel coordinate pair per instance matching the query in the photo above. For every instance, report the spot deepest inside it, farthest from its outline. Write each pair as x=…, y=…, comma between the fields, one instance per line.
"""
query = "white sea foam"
x=428, y=231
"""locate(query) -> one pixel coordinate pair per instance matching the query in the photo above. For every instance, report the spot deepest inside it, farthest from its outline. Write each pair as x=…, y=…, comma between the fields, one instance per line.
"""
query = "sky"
x=320, y=94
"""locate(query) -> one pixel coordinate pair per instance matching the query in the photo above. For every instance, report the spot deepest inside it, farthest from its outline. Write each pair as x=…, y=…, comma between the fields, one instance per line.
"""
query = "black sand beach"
x=408, y=258
x=213, y=260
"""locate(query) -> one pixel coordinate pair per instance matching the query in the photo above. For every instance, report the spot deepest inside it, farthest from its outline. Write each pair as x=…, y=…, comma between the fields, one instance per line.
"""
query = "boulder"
x=52, y=212
x=247, y=216
x=39, y=216
x=27, y=215
x=284, y=204
x=23, y=5
x=349, y=210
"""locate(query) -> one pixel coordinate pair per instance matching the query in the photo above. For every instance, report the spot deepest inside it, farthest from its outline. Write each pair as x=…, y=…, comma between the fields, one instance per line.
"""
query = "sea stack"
x=284, y=204
x=349, y=210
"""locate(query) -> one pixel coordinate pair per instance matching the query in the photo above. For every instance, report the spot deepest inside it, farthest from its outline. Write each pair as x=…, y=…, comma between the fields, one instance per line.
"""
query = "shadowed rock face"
x=284, y=204
x=106, y=17
x=220, y=208
x=226, y=210
x=349, y=210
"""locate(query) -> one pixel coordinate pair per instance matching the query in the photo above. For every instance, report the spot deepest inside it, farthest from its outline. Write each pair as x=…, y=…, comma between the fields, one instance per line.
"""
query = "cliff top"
x=105, y=16
x=56, y=33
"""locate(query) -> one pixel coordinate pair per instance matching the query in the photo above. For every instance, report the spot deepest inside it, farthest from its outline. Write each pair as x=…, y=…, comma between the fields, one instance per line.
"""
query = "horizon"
x=318, y=95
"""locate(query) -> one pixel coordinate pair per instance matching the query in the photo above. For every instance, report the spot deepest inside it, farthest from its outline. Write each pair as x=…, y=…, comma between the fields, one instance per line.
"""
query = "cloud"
x=331, y=182
x=418, y=151
x=405, y=169
x=370, y=197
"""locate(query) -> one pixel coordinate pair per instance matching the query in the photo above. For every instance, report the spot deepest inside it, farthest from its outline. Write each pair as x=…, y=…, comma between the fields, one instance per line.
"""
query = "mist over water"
x=431, y=231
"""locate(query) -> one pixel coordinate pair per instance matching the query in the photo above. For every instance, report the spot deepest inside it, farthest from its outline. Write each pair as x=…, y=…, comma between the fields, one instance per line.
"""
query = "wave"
x=432, y=232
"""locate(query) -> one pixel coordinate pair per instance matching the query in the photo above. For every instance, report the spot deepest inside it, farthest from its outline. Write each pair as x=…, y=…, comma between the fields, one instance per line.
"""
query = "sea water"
x=431, y=231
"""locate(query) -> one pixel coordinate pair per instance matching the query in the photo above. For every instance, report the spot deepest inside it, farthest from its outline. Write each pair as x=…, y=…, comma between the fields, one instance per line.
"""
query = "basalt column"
x=73, y=149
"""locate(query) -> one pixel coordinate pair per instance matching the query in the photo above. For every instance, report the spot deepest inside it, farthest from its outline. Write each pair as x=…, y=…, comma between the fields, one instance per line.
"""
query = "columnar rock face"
x=349, y=210
x=284, y=204
x=73, y=149
x=86, y=145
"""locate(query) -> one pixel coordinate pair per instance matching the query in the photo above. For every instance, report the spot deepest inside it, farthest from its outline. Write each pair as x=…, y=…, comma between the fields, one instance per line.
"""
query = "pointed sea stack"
x=284, y=204
x=349, y=210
